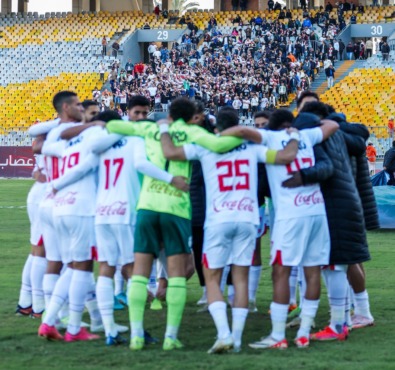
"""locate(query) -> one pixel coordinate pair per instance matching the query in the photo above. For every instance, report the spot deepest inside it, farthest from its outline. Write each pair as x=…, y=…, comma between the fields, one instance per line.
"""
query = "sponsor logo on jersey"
x=163, y=188
x=116, y=209
x=302, y=145
x=66, y=199
x=176, y=136
x=245, y=204
x=308, y=199
x=75, y=141
x=120, y=144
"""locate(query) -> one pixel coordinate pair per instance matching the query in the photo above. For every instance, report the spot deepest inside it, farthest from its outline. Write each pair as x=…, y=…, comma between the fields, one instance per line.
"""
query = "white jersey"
x=52, y=159
x=231, y=182
x=37, y=191
x=119, y=183
x=77, y=198
x=295, y=202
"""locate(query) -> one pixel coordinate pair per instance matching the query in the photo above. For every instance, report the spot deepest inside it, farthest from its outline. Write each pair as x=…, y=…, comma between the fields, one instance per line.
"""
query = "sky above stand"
x=43, y=6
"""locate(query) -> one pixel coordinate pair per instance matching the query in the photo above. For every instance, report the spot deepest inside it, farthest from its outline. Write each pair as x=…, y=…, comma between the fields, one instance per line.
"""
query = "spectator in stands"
x=102, y=71
x=341, y=49
x=330, y=75
x=390, y=126
x=371, y=156
x=385, y=50
x=270, y=5
x=129, y=66
x=212, y=23
x=157, y=11
x=104, y=46
x=165, y=13
x=361, y=9
x=235, y=5
x=389, y=164
x=353, y=19
x=375, y=3
x=349, y=50
x=115, y=49
x=328, y=7
x=303, y=4
x=306, y=23
x=146, y=26
x=369, y=48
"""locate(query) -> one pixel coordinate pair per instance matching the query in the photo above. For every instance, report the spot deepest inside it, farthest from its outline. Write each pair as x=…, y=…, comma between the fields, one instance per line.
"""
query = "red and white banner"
x=16, y=161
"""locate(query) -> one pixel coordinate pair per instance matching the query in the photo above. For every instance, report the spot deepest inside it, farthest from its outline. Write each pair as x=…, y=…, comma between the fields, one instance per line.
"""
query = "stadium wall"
x=16, y=161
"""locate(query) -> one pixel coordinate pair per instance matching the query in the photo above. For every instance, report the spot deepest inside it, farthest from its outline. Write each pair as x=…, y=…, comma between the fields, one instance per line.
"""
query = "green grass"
x=20, y=348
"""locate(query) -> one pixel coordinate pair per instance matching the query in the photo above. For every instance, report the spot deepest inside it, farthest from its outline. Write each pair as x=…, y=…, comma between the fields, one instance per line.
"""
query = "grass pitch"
x=20, y=348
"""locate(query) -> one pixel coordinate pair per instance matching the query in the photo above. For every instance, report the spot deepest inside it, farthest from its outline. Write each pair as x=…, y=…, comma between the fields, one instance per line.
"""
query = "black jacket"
x=389, y=160
x=197, y=194
x=342, y=202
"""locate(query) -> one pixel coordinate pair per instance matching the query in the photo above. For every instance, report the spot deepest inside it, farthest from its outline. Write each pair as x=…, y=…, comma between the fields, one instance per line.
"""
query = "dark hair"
x=393, y=143
x=264, y=114
x=330, y=109
x=62, y=97
x=89, y=103
x=138, y=100
x=227, y=117
x=305, y=94
x=317, y=108
x=107, y=116
x=182, y=108
x=278, y=118
x=199, y=107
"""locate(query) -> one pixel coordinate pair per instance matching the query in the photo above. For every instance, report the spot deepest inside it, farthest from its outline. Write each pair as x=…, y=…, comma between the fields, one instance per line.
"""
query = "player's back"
x=301, y=201
x=119, y=183
x=231, y=183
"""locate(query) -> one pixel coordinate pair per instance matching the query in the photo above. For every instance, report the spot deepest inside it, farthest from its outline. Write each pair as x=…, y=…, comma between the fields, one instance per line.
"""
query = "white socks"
x=361, y=304
x=278, y=314
x=49, y=283
x=239, y=316
x=25, y=295
x=105, y=300
x=79, y=287
x=118, y=281
x=59, y=296
x=293, y=282
x=91, y=302
x=218, y=312
x=254, y=277
x=39, y=265
x=307, y=315
x=337, y=285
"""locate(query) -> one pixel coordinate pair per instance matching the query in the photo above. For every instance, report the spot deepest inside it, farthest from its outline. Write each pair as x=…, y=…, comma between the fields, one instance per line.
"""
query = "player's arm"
x=42, y=128
x=143, y=165
x=170, y=151
x=328, y=128
x=38, y=144
x=54, y=149
x=243, y=132
x=129, y=128
x=286, y=155
x=74, y=131
x=101, y=141
x=90, y=163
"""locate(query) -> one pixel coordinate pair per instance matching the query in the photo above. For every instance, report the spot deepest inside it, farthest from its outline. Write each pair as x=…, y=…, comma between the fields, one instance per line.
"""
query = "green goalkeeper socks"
x=137, y=298
x=176, y=297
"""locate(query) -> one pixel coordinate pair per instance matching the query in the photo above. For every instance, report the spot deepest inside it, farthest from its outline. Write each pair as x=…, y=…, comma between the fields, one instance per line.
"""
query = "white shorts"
x=33, y=211
x=77, y=235
x=50, y=235
x=372, y=166
x=115, y=243
x=300, y=241
x=229, y=244
x=262, y=222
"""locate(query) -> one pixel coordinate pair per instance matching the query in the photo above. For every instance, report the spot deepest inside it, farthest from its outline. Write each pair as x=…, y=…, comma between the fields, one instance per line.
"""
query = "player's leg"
x=254, y=276
x=242, y=253
x=120, y=299
x=337, y=286
x=197, y=246
x=82, y=286
x=362, y=316
x=316, y=246
x=146, y=247
x=176, y=232
x=24, y=307
x=217, y=249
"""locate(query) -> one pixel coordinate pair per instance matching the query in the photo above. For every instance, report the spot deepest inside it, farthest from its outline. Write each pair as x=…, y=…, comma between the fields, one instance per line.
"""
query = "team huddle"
x=118, y=191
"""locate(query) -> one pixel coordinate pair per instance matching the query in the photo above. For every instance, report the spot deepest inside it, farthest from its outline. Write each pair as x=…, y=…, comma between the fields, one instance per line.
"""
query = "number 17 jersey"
x=231, y=182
